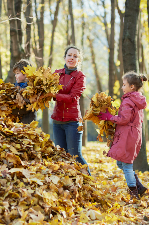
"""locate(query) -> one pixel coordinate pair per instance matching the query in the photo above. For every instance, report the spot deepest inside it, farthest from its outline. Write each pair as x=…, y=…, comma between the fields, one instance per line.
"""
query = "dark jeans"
x=68, y=137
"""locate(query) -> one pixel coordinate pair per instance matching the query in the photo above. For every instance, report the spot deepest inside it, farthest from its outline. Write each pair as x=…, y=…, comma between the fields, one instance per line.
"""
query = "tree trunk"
x=82, y=106
x=140, y=163
x=54, y=23
x=28, y=28
x=40, y=24
x=99, y=88
x=18, y=5
x=45, y=115
x=72, y=22
x=67, y=31
x=120, y=53
x=142, y=69
x=45, y=121
x=14, y=40
x=141, y=61
x=111, y=55
x=105, y=23
x=39, y=52
x=39, y=59
x=130, y=35
x=130, y=63
x=82, y=99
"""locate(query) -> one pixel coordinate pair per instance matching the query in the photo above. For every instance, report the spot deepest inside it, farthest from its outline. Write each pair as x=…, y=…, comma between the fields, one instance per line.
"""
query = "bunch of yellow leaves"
x=10, y=98
x=100, y=103
x=40, y=82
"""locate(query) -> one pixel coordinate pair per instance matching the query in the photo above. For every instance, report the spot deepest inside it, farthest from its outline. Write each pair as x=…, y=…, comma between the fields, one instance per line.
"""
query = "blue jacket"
x=21, y=85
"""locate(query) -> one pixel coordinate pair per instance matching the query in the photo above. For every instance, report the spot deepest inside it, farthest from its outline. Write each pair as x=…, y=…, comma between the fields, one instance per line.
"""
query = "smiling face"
x=20, y=77
x=72, y=58
x=127, y=87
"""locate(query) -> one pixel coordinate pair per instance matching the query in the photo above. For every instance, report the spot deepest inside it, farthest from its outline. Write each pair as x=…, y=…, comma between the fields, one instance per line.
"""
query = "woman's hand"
x=48, y=95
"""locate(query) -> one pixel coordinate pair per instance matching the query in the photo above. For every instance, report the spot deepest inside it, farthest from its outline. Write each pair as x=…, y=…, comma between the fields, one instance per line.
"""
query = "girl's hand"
x=47, y=95
x=105, y=116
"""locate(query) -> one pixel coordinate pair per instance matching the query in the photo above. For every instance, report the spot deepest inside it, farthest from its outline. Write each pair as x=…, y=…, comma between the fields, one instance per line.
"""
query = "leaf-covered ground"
x=42, y=185
x=111, y=182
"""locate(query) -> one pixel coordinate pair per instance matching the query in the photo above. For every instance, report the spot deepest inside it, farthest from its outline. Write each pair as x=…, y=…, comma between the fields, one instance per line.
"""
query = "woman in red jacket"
x=66, y=114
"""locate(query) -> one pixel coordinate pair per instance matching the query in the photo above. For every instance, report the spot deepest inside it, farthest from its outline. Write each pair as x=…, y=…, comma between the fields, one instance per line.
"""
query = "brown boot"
x=140, y=187
x=133, y=193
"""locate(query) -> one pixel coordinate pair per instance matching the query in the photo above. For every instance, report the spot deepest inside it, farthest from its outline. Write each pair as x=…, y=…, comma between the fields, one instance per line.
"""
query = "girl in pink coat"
x=128, y=135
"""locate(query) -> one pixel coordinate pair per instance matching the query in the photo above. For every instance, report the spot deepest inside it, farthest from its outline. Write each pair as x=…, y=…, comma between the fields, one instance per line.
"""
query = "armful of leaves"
x=43, y=85
x=100, y=103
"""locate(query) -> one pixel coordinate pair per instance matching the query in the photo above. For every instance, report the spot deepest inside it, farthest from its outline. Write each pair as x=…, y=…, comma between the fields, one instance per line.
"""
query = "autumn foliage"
x=10, y=98
x=40, y=82
x=100, y=103
x=40, y=183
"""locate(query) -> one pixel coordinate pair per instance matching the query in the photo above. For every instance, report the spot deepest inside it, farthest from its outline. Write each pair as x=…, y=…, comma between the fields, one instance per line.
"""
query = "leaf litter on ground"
x=111, y=183
x=42, y=184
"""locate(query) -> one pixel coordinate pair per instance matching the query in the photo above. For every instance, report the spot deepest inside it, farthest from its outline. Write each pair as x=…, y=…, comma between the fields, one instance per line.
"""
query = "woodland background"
x=113, y=34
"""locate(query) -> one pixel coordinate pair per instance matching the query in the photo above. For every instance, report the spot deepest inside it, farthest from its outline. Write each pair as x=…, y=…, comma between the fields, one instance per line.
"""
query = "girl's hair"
x=21, y=64
x=78, y=49
x=135, y=79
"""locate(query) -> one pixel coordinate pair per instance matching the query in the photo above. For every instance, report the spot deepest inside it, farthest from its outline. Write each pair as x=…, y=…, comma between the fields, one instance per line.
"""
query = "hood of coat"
x=137, y=98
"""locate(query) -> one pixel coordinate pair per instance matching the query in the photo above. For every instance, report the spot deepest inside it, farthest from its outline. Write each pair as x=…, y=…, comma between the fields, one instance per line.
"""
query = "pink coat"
x=128, y=136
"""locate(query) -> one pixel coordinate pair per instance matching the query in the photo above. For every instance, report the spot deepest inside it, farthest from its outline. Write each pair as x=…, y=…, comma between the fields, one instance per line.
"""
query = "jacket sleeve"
x=126, y=113
x=76, y=91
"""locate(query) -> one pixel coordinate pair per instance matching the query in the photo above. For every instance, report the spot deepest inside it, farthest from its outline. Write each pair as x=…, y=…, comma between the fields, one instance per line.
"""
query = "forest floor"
x=112, y=184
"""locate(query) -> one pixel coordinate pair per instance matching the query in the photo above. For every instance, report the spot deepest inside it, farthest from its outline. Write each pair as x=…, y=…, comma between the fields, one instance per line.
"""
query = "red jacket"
x=128, y=135
x=67, y=106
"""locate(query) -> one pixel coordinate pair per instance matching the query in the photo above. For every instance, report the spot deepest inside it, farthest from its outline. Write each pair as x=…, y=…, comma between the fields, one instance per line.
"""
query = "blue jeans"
x=68, y=137
x=128, y=172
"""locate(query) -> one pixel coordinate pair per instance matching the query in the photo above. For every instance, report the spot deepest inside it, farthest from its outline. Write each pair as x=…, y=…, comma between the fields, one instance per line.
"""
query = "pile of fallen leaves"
x=10, y=98
x=41, y=183
x=40, y=82
x=100, y=103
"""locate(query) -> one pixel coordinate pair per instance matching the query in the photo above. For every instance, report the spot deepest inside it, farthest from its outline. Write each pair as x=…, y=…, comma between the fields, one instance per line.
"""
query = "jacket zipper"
x=68, y=82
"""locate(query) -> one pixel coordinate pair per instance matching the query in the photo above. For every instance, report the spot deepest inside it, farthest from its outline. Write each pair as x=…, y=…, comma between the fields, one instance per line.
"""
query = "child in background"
x=128, y=135
x=25, y=116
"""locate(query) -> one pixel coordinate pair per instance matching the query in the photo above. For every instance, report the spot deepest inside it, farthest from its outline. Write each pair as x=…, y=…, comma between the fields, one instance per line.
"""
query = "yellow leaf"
x=83, y=218
x=36, y=180
x=1, y=81
x=54, y=222
x=91, y=213
x=13, y=150
x=54, y=179
x=13, y=158
x=34, y=124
